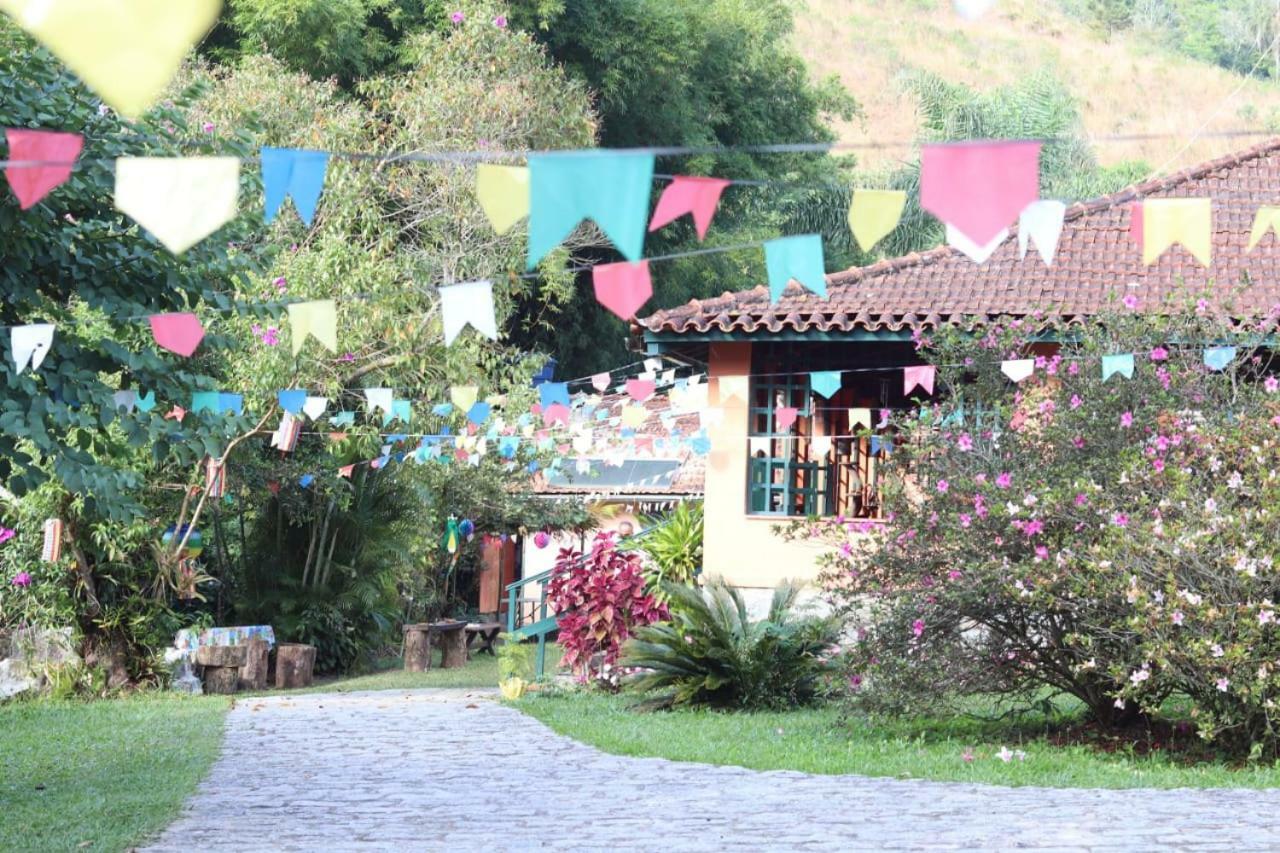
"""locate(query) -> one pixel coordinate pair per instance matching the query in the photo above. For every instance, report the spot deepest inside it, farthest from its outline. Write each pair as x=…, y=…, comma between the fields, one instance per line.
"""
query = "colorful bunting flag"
x=346, y=471
x=180, y=200
x=204, y=401
x=125, y=399
x=228, y=402
x=919, y=376
x=343, y=419
x=976, y=253
x=178, y=333
x=608, y=188
x=401, y=410
x=177, y=413
x=1218, y=358
x=979, y=187
x=859, y=417
x=51, y=156
x=1121, y=363
x=640, y=389
x=1267, y=219
x=319, y=319
x=697, y=196
x=1188, y=221
x=881, y=442
x=463, y=396
x=733, y=386
x=375, y=399
x=469, y=302
x=798, y=258
x=550, y=393
x=479, y=413
x=555, y=413
x=785, y=417
x=292, y=400
x=1135, y=224
x=30, y=344
x=634, y=415
x=821, y=446
x=825, y=382
x=873, y=214
x=1042, y=222
x=127, y=52
x=600, y=382
x=1018, y=369
x=294, y=173
x=315, y=407
x=623, y=288
x=503, y=192
x=146, y=402
x=285, y=438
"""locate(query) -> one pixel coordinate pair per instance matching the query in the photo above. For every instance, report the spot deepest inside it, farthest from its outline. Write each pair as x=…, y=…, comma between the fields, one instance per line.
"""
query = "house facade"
x=760, y=355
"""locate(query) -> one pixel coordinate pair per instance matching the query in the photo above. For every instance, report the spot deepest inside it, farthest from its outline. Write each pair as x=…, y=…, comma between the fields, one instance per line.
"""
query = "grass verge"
x=814, y=741
x=101, y=775
x=480, y=671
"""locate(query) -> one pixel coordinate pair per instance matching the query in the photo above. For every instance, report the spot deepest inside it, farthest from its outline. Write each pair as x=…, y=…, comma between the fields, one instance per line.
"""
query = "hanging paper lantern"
x=467, y=528
x=542, y=539
x=452, y=537
x=195, y=542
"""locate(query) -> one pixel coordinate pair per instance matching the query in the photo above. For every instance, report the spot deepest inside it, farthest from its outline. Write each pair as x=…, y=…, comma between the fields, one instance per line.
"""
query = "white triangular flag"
x=126, y=400
x=315, y=406
x=821, y=445
x=757, y=446
x=1018, y=369
x=180, y=200
x=378, y=398
x=31, y=344
x=978, y=254
x=669, y=376
x=652, y=365
x=470, y=302
x=1041, y=221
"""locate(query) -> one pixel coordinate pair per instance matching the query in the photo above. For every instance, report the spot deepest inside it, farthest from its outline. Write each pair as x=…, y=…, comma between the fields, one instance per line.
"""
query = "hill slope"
x=1123, y=85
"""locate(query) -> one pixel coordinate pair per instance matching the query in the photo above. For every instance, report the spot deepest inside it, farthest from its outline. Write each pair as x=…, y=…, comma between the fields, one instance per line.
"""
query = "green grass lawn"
x=101, y=775
x=814, y=741
x=480, y=671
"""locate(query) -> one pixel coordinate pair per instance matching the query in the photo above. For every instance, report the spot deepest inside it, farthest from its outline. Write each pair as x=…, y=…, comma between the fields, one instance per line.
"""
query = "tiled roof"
x=1097, y=262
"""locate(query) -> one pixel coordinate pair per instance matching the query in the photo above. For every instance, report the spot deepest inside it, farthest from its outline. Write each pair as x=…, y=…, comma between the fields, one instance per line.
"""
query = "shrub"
x=1112, y=540
x=711, y=653
x=673, y=551
x=599, y=599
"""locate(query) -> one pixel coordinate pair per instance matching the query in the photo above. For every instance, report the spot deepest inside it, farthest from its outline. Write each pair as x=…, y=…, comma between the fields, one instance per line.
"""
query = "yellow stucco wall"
x=741, y=548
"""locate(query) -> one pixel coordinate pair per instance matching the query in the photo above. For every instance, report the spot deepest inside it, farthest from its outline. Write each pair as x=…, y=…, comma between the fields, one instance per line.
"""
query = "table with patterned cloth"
x=188, y=640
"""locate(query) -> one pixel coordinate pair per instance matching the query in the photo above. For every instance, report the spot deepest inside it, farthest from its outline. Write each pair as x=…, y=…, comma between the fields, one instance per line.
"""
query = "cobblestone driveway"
x=453, y=770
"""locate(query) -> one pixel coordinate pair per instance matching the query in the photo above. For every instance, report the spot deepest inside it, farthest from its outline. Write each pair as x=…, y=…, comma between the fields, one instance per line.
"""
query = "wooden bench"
x=420, y=638
x=486, y=632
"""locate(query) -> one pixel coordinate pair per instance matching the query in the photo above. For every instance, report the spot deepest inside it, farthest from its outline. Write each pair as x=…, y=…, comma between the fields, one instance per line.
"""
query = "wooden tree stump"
x=417, y=648
x=221, y=679
x=232, y=656
x=453, y=644
x=253, y=675
x=294, y=665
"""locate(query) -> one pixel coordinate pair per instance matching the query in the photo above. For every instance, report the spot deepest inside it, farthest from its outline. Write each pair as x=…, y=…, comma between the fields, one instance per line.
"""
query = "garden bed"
x=1039, y=751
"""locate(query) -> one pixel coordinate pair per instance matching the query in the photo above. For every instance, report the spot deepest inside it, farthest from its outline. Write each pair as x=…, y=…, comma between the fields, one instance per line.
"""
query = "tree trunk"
x=417, y=648
x=253, y=675
x=221, y=679
x=294, y=665
x=453, y=645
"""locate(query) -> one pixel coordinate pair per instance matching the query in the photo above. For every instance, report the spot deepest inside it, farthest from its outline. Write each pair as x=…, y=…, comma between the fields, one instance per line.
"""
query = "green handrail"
x=546, y=622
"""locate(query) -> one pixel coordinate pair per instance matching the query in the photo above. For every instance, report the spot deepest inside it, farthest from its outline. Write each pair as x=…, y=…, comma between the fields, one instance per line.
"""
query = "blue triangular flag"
x=610, y=189
x=879, y=443
x=545, y=374
x=204, y=401
x=1217, y=358
x=1113, y=364
x=507, y=446
x=479, y=413
x=292, y=400
x=306, y=480
x=296, y=173
x=825, y=382
x=231, y=403
x=442, y=410
x=700, y=445
x=553, y=392
x=800, y=258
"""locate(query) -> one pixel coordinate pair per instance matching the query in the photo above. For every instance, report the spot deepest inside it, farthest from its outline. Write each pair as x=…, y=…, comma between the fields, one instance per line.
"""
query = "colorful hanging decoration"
x=1188, y=221
x=1121, y=363
x=920, y=376
x=30, y=344
x=503, y=192
x=1042, y=223
x=319, y=319
x=1266, y=219
x=179, y=200
x=51, y=550
x=296, y=174
x=215, y=478
x=51, y=155
x=979, y=187
x=467, y=528
x=452, y=539
x=178, y=333
x=469, y=302
x=798, y=258
x=696, y=196
x=542, y=539
x=623, y=288
x=873, y=214
x=194, y=546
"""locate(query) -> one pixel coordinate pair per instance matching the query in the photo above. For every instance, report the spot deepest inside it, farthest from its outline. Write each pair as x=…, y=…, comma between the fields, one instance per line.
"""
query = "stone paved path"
x=453, y=770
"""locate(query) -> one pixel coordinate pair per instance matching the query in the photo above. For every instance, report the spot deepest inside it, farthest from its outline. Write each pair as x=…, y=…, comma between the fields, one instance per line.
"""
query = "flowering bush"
x=1115, y=540
x=599, y=599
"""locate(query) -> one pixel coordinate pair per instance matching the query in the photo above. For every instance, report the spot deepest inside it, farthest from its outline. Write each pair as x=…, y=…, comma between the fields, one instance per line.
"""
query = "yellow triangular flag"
x=125, y=50
x=733, y=386
x=1188, y=221
x=503, y=193
x=1267, y=219
x=180, y=200
x=463, y=397
x=318, y=319
x=634, y=415
x=873, y=214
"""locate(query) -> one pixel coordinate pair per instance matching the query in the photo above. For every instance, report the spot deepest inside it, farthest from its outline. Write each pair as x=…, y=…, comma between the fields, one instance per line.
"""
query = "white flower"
x=1216, y=650
x=1005, y=754
x=1140, y=675
x=1029, y=500
x=1235, y=481
x=1210, y=505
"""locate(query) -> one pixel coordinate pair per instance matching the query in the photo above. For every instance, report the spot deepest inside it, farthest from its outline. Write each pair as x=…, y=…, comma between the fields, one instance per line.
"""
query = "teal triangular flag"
x=296, y=173
x=146, y=402
x=204, y=401
x=825, y=382
x=401, y=410
x=1217, y=358
x=799, y=258
x=1113, y=364
x=343, y=419
x=610, y=189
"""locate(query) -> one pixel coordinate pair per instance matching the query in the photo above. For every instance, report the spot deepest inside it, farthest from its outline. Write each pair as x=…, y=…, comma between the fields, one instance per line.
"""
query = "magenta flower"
x=1004, y=480
x=1271, y=384
x=964, y=442
x=917, y=627
x=1159, y=354
x=1126, y=420
x=1120, y=520
x=1073, y=368
x=954, y=575
x=22, y=579
x=1131, y=302
x=1076, y=402
x=1177, y=617
x=7, y=533
x=1223, y=684
x=943, y=485
x=1082, y=499
x=1042, y=552
x=208, y=127
x=457, y=17
x=965, y=519
x=1158, y=465
x=280, y=283
x=500, y=22
x=1078, y=442
x=1202, y=306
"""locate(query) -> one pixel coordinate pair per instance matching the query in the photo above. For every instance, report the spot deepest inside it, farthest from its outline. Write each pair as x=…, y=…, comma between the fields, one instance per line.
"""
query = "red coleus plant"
x=600, y=599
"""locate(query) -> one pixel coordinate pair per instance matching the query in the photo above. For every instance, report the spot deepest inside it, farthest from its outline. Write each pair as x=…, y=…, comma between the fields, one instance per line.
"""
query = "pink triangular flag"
x=556, y=412
x=698, y=196
x=623, y=287
x=979, y=187
x=785, y=417
x=345, y=471
x=53, y=153
x=640, y=389
x=600, y=382
x=180, y=333
x=920, y=376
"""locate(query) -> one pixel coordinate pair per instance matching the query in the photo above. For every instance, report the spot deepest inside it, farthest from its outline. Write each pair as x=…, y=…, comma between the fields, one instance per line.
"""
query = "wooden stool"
x=295, y=663
x=417, y=647
x=222, y=667
x=453, y=643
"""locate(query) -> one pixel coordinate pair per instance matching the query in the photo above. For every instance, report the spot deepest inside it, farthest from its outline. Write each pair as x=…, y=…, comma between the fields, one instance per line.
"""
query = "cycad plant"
x=712, y=654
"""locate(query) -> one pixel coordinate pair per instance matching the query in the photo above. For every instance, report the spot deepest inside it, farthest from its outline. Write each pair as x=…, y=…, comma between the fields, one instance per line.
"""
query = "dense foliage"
x=672, y=547
x=712, y=653
x=1111, y=540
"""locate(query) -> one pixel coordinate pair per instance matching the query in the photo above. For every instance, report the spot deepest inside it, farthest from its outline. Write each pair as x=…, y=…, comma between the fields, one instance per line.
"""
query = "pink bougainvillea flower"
x=965, y=519
x=1126, y=420
x=1005, y=754
x=1004, y=480
x=1120, y=520
x=457, y=17
x=1082, y=499
x=1266, y=616
x=1271, y=384
x=22, y=579
x=7, y=533
x=208, y=127
x=1159, y=354
x=917, y=627
x=1202, y=306
x=500, y=22
x=1177, y=617
x=1158, y=465
x=967, y=756
x=1042, y=553
x=1048, y=407
x=964, y=442
x=943, y=486
x=855, y=681
x=1078, y=442
x=954, y=575
x=1130, y=301
x=281, y=284
x=1076, y=402
x=1073, y=368
x=1223, y=684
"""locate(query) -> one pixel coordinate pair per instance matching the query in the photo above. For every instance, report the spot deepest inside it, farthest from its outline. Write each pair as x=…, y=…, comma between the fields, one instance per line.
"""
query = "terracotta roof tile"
x=1097, y=263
